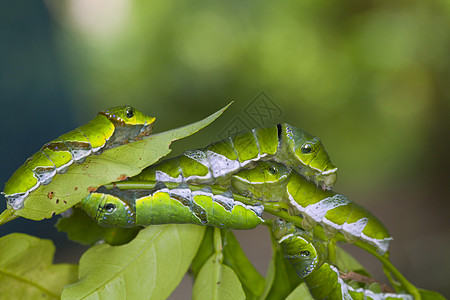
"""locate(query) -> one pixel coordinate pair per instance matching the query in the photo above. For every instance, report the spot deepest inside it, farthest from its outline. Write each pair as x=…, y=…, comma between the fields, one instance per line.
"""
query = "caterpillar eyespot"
x=109, y=129
x=161, y=205
x=335, y=212
x=216, y=163
x=305, y=253
x=109, y=207
x=129, y=112
x=273, y=170
x=322, y=278
x=306, y=149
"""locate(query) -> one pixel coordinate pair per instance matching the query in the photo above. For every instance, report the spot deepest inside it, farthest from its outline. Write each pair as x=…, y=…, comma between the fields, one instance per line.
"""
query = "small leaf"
x=217, y=281
x=430, y=295
x=83, y=229
x=252, y=282
x=26, y=269
x=300, y=292
x=204, y=252
x=112, y=165
x=149, y=267
x=346, y=263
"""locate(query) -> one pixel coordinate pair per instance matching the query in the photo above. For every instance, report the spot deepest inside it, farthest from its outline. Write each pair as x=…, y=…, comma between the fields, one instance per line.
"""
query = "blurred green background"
x=371, y=78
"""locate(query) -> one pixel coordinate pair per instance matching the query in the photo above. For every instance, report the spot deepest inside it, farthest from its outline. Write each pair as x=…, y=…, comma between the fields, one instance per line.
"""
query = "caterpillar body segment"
x=162, y=205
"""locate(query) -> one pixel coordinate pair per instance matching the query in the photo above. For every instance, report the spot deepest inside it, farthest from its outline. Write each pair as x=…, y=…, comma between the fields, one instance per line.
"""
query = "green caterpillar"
x=161, y=205
x=109, y=129
x=308, y=257
x=270, y=181
x=217, y=162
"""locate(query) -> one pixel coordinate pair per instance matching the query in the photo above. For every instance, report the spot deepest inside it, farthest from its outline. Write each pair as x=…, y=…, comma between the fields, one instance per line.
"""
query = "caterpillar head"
x=299, y=148
x=127, y=115
x=303, y=252
x=108, y=209
x=129, y=123
x=267, y=180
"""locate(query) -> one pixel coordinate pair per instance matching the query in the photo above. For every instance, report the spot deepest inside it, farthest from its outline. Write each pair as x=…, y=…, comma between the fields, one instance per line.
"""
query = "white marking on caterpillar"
x=162, y=176
x=221, y=165
x=257, y=209
x=16, y=200
x=381, y=244
x=243, y=164
x=227, y=202
x=329, y=171
x=79, y=155
x=206, y=179
x=318, y=210
x=356, y=228
x=368, y=294
x=182, y=190
x=294, y=203
x=285, y=237
x=88, y=141
x=63, y=169
x=197, y=155
x=45, y=177
x=206, y=191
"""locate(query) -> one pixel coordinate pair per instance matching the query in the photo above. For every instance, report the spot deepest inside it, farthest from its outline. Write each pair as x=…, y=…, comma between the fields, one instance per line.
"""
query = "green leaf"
x=300, y=292
x=345, y=262
x=26, y=269
x=83, y=229
x=149, y=267
x=112, y=165
x=252, y=282
x=431, y=295
x=217, y=281
x=204, y=252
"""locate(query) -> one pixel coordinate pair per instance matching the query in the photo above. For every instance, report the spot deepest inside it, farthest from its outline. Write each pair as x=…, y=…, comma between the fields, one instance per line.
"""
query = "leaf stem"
x=7, y=215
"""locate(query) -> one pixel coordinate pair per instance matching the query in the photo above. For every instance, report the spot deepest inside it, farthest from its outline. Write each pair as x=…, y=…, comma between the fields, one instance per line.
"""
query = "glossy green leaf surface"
x=217, y=281
x=204, y=252
x=115, y=164
x=300, y=292
x=345, y=262
x=26, y=269
x=430, y=295
x=252, y=281
x=149, y=267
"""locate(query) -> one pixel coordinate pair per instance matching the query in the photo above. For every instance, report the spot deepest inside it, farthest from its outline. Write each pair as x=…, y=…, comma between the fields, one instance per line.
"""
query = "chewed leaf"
x=149, y=267
x=66, y=190
x=217, y=281
x=26, y=269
